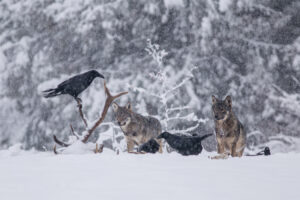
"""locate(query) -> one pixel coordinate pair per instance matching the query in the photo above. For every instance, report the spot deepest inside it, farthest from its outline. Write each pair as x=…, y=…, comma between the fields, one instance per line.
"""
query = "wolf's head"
x=122, y=114
x=221, y=108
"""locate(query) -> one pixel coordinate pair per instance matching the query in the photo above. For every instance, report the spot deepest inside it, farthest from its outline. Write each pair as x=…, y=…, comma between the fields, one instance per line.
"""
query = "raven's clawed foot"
x=78, y=100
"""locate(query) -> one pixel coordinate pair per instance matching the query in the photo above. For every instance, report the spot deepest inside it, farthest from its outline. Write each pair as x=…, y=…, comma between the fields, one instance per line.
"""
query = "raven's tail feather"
x=49, y=90
x=50, y=93
x=205, y=136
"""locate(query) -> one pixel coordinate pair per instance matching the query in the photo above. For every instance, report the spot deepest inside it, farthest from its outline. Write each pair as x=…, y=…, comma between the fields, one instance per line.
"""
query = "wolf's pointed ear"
x=128, y=106
x=228, y=101
x=214, y=99
x=115, y=106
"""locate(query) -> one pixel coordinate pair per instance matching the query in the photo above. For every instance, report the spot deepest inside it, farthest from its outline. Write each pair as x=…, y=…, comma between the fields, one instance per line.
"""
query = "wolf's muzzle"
x=122, y=123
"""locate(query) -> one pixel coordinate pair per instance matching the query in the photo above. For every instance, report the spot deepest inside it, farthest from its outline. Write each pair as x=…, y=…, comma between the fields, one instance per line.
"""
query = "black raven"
x=185, y=145
x=74, y=86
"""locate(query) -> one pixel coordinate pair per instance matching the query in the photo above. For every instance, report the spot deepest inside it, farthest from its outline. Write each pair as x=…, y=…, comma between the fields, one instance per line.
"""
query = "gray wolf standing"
x=137, y=129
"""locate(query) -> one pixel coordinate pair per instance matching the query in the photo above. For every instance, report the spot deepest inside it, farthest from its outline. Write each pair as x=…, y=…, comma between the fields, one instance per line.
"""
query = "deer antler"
x=57, y=141
x=108, y=101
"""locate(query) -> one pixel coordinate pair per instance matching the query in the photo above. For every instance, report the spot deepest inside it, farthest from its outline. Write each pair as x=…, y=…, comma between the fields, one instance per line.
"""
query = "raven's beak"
x=101, y=76
x=159, y=137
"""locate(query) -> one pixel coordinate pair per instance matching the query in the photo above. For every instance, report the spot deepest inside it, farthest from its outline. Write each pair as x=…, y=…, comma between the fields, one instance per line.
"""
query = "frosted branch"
x=267, y=10
x=185, y=130
x=156, y=53
x=189, y=117
x=178, y=108
x=261, y=43
x=142, y=90
x=177, y=86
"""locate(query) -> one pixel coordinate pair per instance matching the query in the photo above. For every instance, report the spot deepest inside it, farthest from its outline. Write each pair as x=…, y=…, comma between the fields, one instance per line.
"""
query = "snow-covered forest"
x=171, y=56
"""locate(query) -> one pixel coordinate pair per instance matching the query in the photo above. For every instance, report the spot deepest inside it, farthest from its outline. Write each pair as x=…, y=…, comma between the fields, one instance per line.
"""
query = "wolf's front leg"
x=130, y=145
x=220, y=145
x=233, y=150
x=160, y=142
x=240, y=146
x=220, y=149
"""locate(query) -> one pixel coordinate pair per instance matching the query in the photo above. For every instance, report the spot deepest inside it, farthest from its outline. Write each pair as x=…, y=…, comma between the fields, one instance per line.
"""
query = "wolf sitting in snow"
x=230, y=133
x=137, y=129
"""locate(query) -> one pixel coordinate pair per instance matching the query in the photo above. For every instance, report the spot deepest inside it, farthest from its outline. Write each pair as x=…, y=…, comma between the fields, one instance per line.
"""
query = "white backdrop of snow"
x=30, y=175
x=224, y=5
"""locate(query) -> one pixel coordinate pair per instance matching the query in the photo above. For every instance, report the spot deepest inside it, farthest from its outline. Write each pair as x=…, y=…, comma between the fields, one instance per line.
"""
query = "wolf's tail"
x=50, y=93
x=265, y=152
x=205, y=136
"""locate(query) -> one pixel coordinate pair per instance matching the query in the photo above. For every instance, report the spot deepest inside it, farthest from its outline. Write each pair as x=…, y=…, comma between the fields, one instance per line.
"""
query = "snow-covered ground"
x=35, y=175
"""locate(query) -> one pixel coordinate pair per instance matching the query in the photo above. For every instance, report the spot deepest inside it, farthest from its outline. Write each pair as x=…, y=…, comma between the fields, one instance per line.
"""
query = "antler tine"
x=106, y=89
x=54, y=150
x=57, y=141
x=118, y=95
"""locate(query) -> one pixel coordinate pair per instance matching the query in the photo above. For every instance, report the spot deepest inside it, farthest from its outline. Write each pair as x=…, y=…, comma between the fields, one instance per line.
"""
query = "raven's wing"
x=178, y=142
x=69, y=81
x=75, y=85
